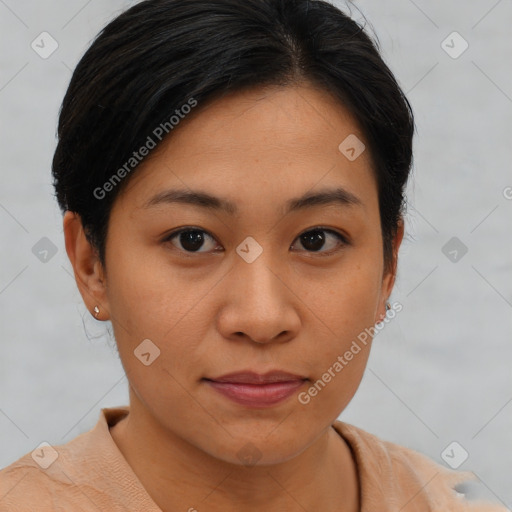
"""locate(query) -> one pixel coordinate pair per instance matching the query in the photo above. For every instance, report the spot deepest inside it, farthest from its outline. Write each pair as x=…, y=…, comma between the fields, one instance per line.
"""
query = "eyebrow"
x=338, y=196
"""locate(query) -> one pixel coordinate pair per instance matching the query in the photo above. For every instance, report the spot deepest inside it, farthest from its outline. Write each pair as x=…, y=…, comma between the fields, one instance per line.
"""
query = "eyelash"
x=341, y=239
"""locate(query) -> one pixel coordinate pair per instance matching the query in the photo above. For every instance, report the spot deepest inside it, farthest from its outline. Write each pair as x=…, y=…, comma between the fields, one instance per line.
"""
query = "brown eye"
x=192, y=240
x=319, y=240
x=314, y=240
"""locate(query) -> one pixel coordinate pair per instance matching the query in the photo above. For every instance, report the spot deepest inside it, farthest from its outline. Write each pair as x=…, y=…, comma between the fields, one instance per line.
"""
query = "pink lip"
x=256, y=390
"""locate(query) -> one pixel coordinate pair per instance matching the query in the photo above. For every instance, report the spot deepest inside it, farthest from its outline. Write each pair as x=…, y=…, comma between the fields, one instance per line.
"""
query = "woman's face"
x=258, y=288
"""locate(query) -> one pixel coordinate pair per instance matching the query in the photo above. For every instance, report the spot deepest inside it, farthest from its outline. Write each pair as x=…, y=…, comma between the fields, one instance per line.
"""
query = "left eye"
x=313, y=240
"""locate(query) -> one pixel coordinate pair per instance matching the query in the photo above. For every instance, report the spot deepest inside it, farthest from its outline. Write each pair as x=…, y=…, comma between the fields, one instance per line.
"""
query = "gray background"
x=439, y=372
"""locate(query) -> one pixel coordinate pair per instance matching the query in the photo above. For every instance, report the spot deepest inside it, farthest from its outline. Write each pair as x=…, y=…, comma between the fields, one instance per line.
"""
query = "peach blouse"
x=89, y=474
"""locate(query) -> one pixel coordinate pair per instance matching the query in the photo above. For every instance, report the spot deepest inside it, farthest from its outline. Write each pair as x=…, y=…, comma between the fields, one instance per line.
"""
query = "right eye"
x=190, y=239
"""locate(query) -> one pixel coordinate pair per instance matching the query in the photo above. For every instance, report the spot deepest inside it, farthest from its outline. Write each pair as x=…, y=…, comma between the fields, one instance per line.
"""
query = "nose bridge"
x=256, y=269
x=258, y=304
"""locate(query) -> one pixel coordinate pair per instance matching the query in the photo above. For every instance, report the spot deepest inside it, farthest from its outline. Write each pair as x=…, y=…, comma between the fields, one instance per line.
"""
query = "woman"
x=232, y=180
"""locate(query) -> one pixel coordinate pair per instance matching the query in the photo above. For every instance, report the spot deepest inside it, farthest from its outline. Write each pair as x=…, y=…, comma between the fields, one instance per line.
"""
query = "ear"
x=89, y=273
x=388, y=280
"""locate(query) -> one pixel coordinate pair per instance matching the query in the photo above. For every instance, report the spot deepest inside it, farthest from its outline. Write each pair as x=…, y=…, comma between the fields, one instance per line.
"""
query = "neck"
x=179, y=476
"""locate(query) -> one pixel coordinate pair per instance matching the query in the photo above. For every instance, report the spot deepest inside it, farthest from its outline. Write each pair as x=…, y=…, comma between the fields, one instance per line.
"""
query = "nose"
x=259, y=303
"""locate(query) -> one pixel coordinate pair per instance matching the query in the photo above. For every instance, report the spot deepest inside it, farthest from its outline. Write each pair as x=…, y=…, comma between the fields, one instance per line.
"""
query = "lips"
x=257, y=390
x=249, y=377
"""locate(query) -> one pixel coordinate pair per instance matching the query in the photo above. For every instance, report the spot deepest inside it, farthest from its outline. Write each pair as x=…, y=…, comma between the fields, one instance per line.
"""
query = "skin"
x=212, y=313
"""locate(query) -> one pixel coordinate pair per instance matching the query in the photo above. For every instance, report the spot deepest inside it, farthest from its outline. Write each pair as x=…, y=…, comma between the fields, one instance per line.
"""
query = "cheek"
x=147, y=296
x=342, y=317
x=149, y=300
x=149, y=304
x=345, y=301
x=338, y=354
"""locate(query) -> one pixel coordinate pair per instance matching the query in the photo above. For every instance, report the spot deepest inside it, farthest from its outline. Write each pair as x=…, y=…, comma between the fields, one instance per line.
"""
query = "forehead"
x=274, y=141
x=299, y=118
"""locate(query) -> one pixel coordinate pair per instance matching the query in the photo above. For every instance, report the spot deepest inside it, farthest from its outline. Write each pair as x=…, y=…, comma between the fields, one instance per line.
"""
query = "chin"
x=251, y=451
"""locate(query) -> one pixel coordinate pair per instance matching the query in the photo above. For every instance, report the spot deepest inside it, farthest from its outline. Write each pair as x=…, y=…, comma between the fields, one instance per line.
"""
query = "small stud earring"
x=388, y=306
x=96, y=311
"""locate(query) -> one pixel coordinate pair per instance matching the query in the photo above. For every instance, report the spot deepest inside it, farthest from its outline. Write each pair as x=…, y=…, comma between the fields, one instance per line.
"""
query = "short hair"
x=154, y=57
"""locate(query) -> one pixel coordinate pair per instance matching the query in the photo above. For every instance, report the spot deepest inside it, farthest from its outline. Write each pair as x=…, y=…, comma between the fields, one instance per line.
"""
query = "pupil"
x=191, y=240
x=314, y=240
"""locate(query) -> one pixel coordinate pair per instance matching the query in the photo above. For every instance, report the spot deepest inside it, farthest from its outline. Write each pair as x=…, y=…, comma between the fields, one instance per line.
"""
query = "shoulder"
x=26, y=486
x=69, y=476
x=406, y=478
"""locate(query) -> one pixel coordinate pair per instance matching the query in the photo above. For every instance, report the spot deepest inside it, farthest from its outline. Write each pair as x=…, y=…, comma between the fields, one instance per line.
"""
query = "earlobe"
x=389, y=278
x=397, y=241
x=88, y=270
